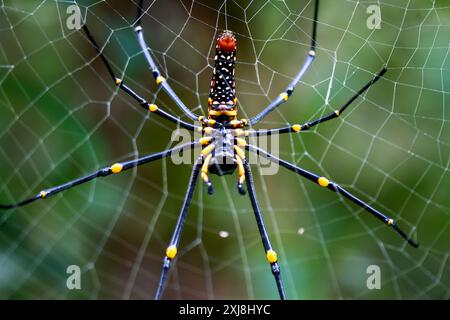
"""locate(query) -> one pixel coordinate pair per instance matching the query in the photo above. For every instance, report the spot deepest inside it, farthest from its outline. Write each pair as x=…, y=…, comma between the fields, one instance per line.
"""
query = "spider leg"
x=324, y=182
x=114, y=169
x=284, y=96
x=207, y=154
x=339, y=111
x=271, y=255
x=160, y=80
x=172, y=249
x=241, y=173
x=142, y=102
x=309, y=125
x=205, y=176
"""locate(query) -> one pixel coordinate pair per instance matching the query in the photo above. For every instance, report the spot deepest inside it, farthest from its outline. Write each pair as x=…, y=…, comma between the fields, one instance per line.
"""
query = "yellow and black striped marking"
x=205, y=140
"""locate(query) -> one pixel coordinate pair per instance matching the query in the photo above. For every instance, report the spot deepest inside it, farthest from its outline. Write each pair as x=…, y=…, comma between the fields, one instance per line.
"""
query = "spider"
x=223, y=143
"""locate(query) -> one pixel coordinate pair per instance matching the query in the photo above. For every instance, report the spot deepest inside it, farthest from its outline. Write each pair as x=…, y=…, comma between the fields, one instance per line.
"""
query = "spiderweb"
x=61, y=118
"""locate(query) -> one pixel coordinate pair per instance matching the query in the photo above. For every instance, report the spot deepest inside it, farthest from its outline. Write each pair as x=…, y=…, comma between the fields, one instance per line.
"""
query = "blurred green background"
x=61, y=117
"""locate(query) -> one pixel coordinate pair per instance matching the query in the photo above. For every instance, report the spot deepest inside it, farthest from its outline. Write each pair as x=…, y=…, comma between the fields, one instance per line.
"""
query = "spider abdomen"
x=222, y=98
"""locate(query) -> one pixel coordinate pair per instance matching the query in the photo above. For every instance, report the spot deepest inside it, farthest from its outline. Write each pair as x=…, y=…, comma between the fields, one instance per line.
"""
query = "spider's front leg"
x=160, y=80
x=284, y=96
x=121, y=84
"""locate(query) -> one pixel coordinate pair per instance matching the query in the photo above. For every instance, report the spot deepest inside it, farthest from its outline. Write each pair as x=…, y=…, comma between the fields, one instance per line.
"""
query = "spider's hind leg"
x=271, y=254
x=330, y=185
x=172, y=249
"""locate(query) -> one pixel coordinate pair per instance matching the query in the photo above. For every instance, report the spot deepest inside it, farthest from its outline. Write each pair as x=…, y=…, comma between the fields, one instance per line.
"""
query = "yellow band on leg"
x=171, y=252
x=205, y=140
x=240, y=166
x=160, y=79
x=239, y=152
x=206, y=164
x=153, y=107
x=116, y=168
x=241, y=142
x=205, y=177
x=208, y=149
x=323, y=182
x=208, y=130
x=271, y=256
